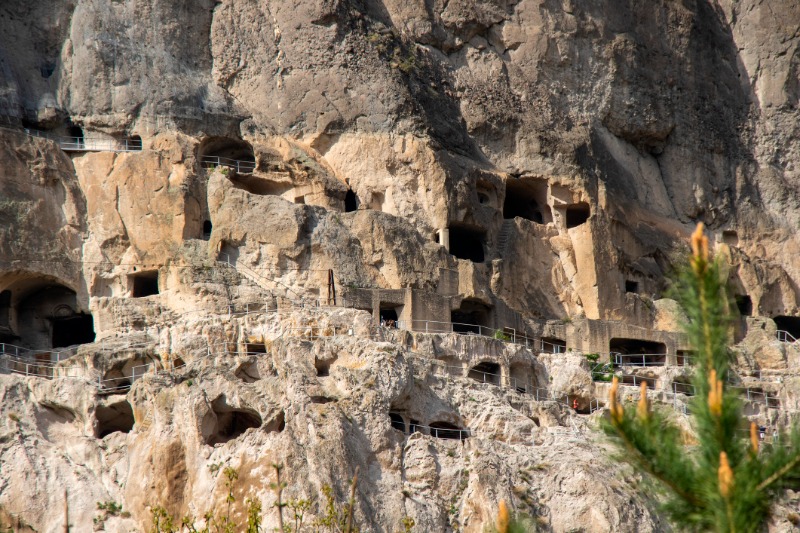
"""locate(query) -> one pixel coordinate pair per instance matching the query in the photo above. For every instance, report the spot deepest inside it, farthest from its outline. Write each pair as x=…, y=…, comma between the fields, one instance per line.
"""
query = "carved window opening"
x=72, y=330
x=631, y=286
x=553, y=345
x=144, y=284
x=577, y=214
x=636, y=352
x=526, y=200
x=467, y=242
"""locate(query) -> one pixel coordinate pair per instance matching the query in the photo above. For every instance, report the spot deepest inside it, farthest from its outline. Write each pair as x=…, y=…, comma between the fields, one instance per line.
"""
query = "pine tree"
x=725, y=481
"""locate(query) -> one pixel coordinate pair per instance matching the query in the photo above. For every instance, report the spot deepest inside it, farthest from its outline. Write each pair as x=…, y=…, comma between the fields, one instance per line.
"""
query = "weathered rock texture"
x=529, y=168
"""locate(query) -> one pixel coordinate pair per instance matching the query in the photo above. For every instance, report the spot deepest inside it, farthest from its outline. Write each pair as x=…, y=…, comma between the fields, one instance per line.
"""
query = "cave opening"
x=631, y=286
x=577, y=214
x=553, y=345
x=72, y=330
x=789, y=324
x=133, y=143
x=526, y=200
x=225, y=151
x=471, y=317
x=144, y=284
x=485, y=372
x=224, y=423
x=397, y=422
x=207, y=227
x=116, y=417
x=637, y=352
x=350, y=201
x=744, y=304
x=467, y=242
x=446, y=430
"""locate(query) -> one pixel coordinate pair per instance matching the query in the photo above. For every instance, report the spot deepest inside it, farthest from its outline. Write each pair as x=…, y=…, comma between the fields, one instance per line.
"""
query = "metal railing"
x=643, y=359
x=440, y=433
x=241, y=167
x=21, y=352
x=550, y=347
x=785, y=336
x=89, y=144
x=434, y=326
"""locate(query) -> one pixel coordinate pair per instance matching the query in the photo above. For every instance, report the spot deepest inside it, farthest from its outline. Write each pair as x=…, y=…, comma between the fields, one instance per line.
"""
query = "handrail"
x=240, y=166
x=785, y=336
x=619, y=359
x=88, y=144
x=436, y=326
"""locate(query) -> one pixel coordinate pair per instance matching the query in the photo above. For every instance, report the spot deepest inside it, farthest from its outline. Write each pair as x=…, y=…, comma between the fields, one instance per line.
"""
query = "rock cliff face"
x=220, y=205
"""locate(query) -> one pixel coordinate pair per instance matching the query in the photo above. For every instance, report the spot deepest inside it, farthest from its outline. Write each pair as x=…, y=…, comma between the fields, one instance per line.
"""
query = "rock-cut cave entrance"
x=636, y=352
x=471, y=317
x=789, y=324
x=225, y=151
x=223, y=423
x=467, y=242
x=527, y=199
x=41, y=313
x=485, y=372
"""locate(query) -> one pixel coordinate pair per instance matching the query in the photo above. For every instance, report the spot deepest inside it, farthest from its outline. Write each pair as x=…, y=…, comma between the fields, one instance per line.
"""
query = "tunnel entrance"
x=113, y=418
x=76, y=329
x=445, y=430
x=207, y=230
x=350, y=201
x=526, y=200
x=485, y=372
x=144, y=284
x=471, y=317
x=389, y=317
x=789, y=324
x=577, y=214
x=467, y=242
x=223, y=423
x=638, y=352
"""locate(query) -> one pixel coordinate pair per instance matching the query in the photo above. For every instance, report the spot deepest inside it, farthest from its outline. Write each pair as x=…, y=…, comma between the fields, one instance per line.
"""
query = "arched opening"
x=636, y=352
x=553, y=345
x=133, y=143
x=223, y=423
x=471, y=317
x=526, y=200
x=207, y=230
x=467, y=242
x=224, y=151
x=445, y=430
x=577, y=214
x=485, y=372
x=350, y=201
x=413, y=426
x=744, y=304
x=143, y=284
x=397, y=422
x=789, y=324
x=116, y=417
x=115, y=381
x=248, y=372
